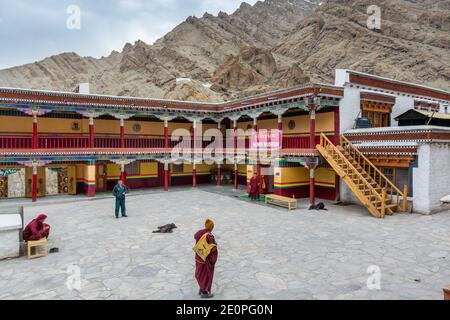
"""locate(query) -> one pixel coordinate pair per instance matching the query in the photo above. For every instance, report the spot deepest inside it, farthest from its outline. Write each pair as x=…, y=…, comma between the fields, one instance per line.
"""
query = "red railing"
x=59, y=142
x=15, y=142
x=295, y=142
x=63, y=142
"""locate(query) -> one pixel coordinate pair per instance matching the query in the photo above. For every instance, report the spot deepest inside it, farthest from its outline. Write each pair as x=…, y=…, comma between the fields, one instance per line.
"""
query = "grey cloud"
x=32, y=30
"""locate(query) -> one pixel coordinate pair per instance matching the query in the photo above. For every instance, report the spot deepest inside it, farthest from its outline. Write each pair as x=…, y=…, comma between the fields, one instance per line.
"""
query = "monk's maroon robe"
x=36, y=229
x=204, y=270
x=254, y=188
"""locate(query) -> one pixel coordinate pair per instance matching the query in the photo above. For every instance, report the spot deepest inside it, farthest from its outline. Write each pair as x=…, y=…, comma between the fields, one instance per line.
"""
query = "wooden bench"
x=39, y=246
x=281, y=201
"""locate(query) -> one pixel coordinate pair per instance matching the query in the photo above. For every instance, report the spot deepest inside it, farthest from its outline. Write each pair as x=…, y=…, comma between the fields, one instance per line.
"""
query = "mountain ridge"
x=267, y=46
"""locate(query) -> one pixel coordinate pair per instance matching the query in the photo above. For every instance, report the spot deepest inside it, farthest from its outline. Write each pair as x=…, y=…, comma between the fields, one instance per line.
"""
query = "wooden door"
x=101, y=176
x=41, y=190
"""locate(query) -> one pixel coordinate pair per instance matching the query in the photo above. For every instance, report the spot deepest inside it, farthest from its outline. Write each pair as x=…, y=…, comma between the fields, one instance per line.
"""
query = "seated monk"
x=36, y=229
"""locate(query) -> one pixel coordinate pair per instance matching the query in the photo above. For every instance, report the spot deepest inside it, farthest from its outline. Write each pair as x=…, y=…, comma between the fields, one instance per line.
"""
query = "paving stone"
x=264, y=252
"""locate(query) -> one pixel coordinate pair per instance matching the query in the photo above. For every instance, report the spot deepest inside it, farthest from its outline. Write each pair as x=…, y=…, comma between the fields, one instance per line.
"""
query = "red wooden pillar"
x=194, y=176
x=123, y=175
x=312, y=129
x=255, y=130
x=166, y=134
x=235, y=143
x=35, y=141
x=219, y=175
x=91, y=132
x=122, y=133
x=258, y=170
x=280, y=129
x=90, y=176
x=236, y=175
x=235, y=138
x=166, y=176
x=312, y=186
x=34, y=185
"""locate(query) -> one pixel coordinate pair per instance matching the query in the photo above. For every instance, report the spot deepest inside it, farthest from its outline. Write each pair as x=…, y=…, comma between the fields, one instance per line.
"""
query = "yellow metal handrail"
x=383, y=181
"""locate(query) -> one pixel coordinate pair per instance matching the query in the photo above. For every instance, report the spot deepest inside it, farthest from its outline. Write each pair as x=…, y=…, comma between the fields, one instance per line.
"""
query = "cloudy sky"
x=31, y=30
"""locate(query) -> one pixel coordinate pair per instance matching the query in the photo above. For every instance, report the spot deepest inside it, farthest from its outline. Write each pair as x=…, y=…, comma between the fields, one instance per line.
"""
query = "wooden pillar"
x=166, y=134
x=35, y=141
x=166, y=176
x=258, y=170
x=91, y=132
x=194, y=137
x=236, y=176
x=34, y=185
x=219, y=175
x=235, y=138
x=312, y=129
x=90, y=177
x=123, y=175
x=337, y=133
x=255, y=129
x=122, y=133
x=280, y=129
x=194, y=176
x=312, y=187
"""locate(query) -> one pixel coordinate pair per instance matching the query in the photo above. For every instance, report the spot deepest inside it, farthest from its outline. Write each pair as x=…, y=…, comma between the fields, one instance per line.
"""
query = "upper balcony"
x=14, y=142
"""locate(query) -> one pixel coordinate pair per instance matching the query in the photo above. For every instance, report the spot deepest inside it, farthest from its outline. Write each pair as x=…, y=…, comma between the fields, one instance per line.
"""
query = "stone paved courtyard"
x=265, y=252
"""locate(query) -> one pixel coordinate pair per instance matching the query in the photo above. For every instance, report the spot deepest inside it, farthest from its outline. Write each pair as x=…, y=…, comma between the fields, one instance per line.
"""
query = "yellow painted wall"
x=297, y=176
x=149, y=168
x=325, y=177
x=113, y=170
x=250, y=170
x=24, y=125
x=89, y=173
x=324, y=123
x=80, y=171
x=242, y=169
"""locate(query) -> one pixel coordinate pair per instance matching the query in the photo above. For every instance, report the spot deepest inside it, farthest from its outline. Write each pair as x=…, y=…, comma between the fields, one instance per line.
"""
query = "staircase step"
x=388, y=206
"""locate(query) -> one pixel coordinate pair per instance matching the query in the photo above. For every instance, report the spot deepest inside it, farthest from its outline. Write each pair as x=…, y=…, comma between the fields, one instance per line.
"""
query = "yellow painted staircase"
x=376, y=192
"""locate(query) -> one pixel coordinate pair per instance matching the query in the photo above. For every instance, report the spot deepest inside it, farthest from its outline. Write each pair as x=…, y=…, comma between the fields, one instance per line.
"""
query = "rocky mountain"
x=272, y=44
x=413, y=43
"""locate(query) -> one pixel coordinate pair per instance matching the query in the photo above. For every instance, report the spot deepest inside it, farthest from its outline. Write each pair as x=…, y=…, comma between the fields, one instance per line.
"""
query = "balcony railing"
x=15, y=142
x=59, y=142
x=63, y=142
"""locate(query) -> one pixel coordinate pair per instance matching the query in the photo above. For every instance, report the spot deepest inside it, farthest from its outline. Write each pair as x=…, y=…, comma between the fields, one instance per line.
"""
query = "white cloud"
x=31, y=30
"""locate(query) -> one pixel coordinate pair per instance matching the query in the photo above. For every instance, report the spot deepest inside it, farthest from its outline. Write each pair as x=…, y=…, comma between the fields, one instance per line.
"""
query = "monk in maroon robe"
x=255, y=182
x=204, y=270
x=36, y=229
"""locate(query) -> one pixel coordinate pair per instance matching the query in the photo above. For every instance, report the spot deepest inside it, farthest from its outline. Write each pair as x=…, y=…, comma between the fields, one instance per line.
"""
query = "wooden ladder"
x=376, y=192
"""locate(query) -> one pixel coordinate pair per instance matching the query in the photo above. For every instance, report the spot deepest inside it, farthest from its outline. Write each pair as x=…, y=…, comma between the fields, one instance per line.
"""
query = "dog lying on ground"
x=319, y=206
x=166, y=228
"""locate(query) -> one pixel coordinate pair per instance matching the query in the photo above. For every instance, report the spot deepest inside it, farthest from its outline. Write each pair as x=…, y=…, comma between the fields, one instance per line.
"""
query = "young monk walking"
x=205, y=259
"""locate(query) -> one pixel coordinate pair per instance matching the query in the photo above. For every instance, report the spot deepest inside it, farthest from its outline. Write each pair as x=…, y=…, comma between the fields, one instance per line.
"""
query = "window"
x=132, y=169
x=389, y=173
x=401, y=178
x=177, y=168
x=378, y=113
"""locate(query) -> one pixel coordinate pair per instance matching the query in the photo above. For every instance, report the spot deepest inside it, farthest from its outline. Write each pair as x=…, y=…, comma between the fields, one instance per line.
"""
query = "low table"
x=10, y=232
x=281, y=201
